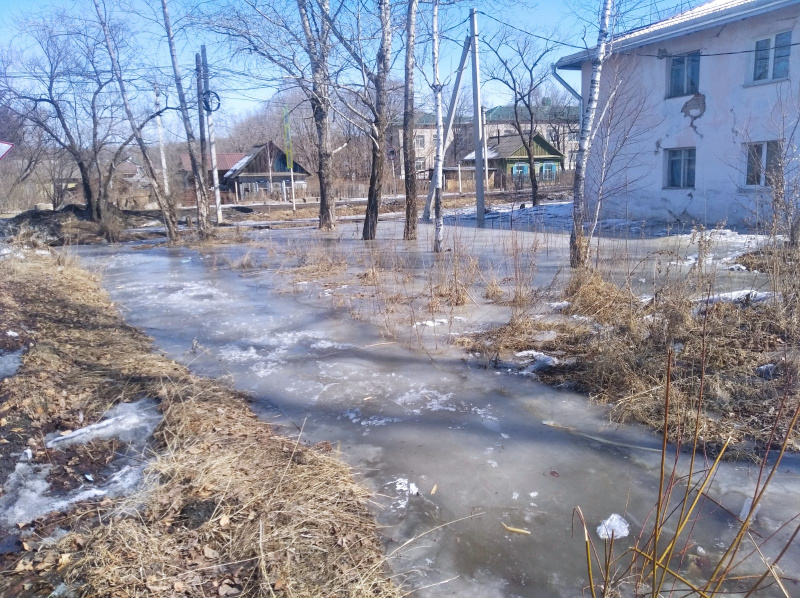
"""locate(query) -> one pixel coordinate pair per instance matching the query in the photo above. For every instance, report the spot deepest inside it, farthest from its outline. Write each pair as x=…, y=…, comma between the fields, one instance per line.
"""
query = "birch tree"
x=438, y=156
x=578, y=244
x=409, y=152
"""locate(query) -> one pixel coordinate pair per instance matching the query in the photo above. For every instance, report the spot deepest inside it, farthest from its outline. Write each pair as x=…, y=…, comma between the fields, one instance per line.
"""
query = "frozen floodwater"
x=499, y=450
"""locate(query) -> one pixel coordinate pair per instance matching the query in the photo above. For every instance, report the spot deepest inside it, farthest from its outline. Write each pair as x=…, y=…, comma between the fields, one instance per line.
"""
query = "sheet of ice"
x=127, y=422
x=10, y=363
x=742, y=296
x=539, y=361
x=615, y=525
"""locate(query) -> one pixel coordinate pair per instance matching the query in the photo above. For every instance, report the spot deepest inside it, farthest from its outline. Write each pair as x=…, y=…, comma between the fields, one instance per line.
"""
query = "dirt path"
x=227, y=507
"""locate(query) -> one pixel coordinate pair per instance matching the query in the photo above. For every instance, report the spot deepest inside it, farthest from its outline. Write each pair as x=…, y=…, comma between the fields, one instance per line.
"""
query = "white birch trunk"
x=578, y=243
x=437, y=164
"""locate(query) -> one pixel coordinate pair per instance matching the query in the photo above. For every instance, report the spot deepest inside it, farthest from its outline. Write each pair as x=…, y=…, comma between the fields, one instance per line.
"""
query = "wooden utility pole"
x=477, y=121
x=211, y=143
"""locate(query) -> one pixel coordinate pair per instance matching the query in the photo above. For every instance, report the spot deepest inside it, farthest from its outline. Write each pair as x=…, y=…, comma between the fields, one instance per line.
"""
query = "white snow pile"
x=558, y=306
x=615, y=526
x=436, y=322
x=539, y=361
x=27, y=493
x=128, y=422
x=741, y=297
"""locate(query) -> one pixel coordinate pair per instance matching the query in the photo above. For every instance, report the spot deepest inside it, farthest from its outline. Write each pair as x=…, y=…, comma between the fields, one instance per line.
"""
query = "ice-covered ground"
x=27, y=494
x=438, y=437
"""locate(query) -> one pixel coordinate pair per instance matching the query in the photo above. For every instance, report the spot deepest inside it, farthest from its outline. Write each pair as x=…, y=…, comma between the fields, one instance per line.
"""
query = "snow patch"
x=127, y=421
x=615, y=525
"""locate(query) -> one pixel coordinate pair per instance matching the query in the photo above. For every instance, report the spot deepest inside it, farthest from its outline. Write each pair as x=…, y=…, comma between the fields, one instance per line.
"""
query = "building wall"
x=736, y=111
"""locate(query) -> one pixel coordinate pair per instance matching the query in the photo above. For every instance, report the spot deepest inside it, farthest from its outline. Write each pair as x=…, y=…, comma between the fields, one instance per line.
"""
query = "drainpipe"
x=569, y=88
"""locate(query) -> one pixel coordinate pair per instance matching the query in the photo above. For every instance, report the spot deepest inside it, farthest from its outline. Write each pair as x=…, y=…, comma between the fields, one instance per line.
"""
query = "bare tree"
x=373, y=93
x=519, y=66
x=64, y=90
x=294, y=37
x=409, y=153
x=164, y=203
x=198, y=169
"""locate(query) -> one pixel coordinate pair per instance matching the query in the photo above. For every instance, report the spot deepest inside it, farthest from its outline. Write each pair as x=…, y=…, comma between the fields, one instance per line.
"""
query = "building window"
x=680, y=168
x=509, y=131
x=771, y=58
x=419, y=167
x=572, y=137
x=684, y=74
x=763, y=163
x=419, y=141
x=547, y=171
x=552, y=136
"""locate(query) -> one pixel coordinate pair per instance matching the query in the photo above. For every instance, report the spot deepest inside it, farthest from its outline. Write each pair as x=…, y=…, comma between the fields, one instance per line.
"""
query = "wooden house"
x=507, y=157
x=264, y=170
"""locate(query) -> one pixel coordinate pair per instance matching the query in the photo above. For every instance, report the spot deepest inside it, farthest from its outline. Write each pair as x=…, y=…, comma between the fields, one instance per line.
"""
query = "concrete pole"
x=485, y=150
x=201, y=113
x=160, y=130
x=459, y=178
x=477, y=126
x=211, y=145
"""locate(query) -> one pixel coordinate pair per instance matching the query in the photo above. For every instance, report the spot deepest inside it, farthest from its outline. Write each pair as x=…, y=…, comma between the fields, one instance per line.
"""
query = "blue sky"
x=559, y=17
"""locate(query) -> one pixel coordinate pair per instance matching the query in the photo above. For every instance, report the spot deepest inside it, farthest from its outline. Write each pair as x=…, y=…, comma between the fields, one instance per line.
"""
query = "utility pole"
x=289, y=156
x=485, y=150
x=437, y=166
x=477, y=125
x=211, y=144
x=201, y=114
x=160, y=130
x=451, y=112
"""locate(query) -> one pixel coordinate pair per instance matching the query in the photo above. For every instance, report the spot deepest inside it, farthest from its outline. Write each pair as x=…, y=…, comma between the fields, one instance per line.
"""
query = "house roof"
x=127, y=168
x=505, y=146
x=705, y=16
x=237, y=168
x=540, y=113
x=224, y=161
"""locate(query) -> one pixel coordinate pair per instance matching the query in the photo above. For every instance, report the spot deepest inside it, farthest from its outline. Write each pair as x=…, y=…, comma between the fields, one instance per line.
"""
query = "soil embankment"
x=226, y=507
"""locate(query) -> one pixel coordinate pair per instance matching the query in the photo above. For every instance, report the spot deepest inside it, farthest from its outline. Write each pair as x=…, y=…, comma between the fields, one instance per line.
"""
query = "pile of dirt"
x=733, y=361
x=73, y=225
x=227, y=507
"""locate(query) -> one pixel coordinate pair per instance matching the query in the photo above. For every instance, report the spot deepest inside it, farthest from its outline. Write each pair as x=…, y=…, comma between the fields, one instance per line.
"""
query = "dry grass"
x=317, y=262
x=614, y=347
x=229, y=508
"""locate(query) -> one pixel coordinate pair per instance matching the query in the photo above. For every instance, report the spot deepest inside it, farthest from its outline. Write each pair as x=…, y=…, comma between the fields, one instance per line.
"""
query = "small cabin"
x=265, y=171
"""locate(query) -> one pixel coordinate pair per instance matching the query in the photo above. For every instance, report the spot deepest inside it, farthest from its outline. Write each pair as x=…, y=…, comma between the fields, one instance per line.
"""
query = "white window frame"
x=685, y=56
x=419, y=142
x=763, y=163
x=420, y=172
x=684, y=158
x=769, y=78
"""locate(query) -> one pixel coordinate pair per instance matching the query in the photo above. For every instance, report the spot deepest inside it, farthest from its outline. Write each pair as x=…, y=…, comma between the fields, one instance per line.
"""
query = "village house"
x=508, y=162
x=225, y=161
x=265, y=170
x=703, y=108
x=557, y=124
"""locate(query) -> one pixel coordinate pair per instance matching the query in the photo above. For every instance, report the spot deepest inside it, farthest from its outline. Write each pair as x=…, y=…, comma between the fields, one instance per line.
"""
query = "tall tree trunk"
x=578, y=243
x=379, y=124
x=327, y=204
x=534, y=179
x=437, y=165
x=197, y=168
x=92, y=205
x=409, y=152
x=167, y=209
x=318, y=50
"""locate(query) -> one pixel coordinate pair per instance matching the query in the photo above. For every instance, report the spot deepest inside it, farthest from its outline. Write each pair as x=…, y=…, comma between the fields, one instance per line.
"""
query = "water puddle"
x=439, y=439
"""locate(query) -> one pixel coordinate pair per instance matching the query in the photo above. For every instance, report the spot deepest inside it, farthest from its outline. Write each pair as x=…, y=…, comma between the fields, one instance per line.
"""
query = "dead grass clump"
x=589, y=295
x=243, y=262
x=319, y=262
x=493, y=292
x=233, y=510
x=370, y=277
